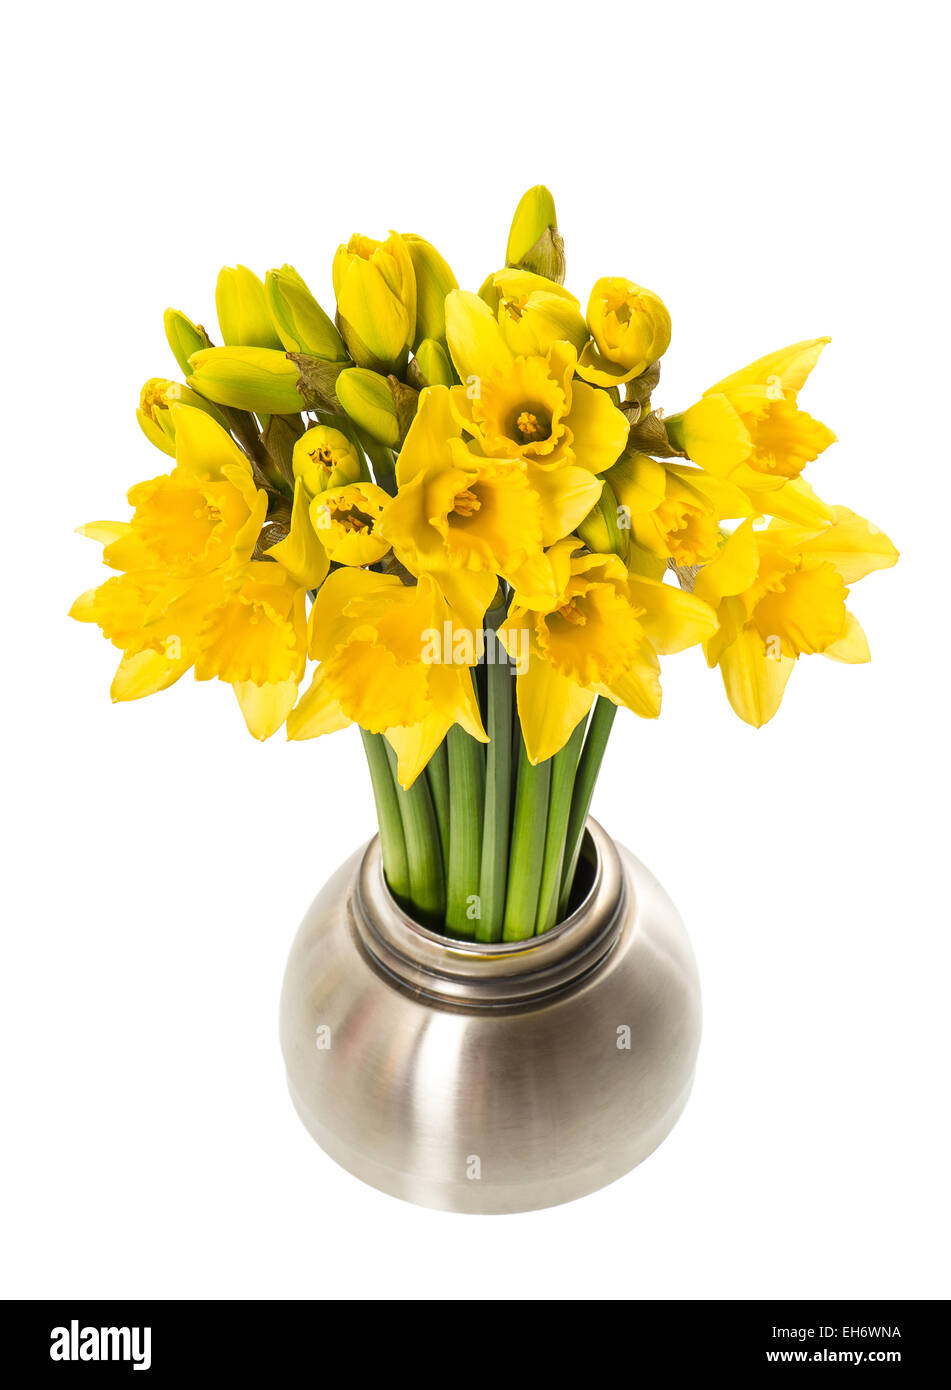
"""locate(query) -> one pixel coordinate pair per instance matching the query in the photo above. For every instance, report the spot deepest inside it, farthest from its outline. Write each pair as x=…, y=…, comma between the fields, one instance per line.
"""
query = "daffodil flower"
x=527, y=407
x=325, y=458
x=347, y=523
x=370, y=633
x=749, y=428
x=672, y=512
x=631, y=329
x=779, y=594
x=466, y=519
x=533, y=313
x=601, y=635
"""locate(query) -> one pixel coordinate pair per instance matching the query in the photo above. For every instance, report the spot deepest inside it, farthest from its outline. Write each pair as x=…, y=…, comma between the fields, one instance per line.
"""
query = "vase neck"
x=472, y=973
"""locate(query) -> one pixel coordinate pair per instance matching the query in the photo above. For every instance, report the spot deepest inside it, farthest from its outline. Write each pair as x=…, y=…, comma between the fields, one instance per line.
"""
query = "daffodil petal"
x=265, y=707
x=317, y=712
x=146, y=673
x=550, y=706
x=754, y=681
x=852, y=646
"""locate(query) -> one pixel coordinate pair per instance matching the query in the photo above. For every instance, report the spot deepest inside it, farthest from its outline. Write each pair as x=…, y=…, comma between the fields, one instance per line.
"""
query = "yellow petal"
x=104, y=531
x=790, y=365
x=795, y=502
x=202, y=447
x=84, y=609
x=317, y=713
x=550, y=705
x=637, y=687
x=475, y=339
x=566, y=494
x=145, y=674
x=672, y=618
x=734, y=568
x=754, y=681
x=426, y=442
x=855, y=546
x=852, y=646
x=301, y=553
x=600, y=430
x=265, y=707
x=714, y=435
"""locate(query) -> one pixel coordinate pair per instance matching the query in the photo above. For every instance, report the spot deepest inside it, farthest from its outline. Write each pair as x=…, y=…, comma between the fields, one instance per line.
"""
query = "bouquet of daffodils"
x=467, y=511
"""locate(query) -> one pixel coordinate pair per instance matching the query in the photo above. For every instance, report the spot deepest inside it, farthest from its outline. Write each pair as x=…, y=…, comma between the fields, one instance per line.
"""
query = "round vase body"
x=491, y=1078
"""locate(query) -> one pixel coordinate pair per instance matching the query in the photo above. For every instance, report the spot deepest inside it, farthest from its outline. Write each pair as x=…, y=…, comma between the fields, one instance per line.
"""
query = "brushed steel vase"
x=500, y=1078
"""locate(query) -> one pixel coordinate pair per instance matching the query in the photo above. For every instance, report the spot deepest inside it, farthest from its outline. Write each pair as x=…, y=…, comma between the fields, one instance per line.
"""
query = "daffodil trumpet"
x=462, y=523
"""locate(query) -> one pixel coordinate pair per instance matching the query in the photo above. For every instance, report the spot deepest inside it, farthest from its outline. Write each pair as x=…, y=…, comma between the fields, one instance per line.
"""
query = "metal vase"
x=491, y=1078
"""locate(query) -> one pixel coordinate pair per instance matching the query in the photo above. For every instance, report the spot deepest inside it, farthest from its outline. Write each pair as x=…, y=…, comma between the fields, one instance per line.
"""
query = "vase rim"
x=490, y=973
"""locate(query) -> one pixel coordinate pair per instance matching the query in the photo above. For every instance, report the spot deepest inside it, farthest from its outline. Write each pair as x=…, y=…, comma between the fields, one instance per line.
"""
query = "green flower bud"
x=434, y=280
x=534, y=243
x=301, y=323
x=368, y=400
x=431, y=365
x=247, y=378
x=243, y=313
x=600, y=529
x=184, y=337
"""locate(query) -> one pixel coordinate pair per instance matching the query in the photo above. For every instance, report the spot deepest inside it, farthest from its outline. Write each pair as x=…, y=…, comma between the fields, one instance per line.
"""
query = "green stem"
x=498, y=793
x=427, y=884
x=564, y=765
x=392, y=840
x=466, y=795
x=592, y=755
x=529, y=824
x=437, y=771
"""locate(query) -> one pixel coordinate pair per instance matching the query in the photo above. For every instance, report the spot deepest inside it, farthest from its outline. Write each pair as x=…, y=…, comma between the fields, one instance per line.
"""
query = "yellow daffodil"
x=630, y=327
x=779, y=594
x=672, y=512
x=347, y=523
x=252, y=633
x=434, y=280
x=372, y=635
x=375, y=285
x=466, y=519
x=527, y=407
x=206, y=513
x=748, y=427
x=325, y=458
x=243, y=314
x=157, y=397
x=154, y=654
x=601, y=635
x=533, y=312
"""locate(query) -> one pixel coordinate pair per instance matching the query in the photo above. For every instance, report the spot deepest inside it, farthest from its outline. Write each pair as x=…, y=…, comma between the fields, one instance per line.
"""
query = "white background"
x=774, y=173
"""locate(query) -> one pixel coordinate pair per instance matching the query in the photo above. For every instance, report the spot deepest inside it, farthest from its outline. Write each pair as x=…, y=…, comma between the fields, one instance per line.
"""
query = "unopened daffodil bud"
x=431, y=365
x=368, y=400
x=184, y=337
x=534, y=312
x=247, y=378
x=325, y=458
x=534, y=243
x=243, y=314
x=346, y=520
x=375, y=285
x=301, y=323
x=155, y=415
x=434, y=280
x=630, y=327
x=601, y=530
